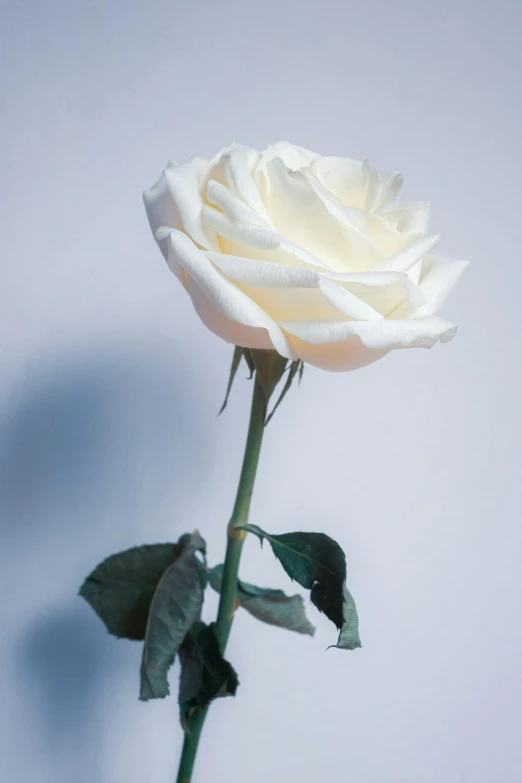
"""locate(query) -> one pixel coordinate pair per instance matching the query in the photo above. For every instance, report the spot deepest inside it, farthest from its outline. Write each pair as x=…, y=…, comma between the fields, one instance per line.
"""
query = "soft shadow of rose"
x=93, y=449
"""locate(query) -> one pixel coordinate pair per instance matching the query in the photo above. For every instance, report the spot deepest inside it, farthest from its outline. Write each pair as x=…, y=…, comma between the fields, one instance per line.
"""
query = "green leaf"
x=294, y=367
x=205, y=674
x=301, y=371
x=250, y=362
x=268, y=605
x=270, y=367
x=349, y=636
x=236, y=359
x=175, y=607
x=318, y=563
x=121, y=588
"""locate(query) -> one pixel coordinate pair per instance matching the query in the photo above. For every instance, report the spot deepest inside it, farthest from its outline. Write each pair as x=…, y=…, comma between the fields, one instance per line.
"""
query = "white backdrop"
x=110, y=388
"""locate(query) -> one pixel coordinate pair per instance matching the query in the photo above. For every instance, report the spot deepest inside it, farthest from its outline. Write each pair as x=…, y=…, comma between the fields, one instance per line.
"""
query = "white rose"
x=312, y=256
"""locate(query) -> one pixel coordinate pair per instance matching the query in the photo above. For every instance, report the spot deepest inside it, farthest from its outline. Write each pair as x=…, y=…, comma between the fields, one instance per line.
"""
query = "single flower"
x=312, y=256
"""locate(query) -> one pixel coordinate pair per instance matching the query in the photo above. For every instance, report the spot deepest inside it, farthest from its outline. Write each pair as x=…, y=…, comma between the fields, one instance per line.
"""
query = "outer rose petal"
x=219, y=302
x=161, y=210
x=383, y=335
x=348, y=345
x=230, y=331
x=382, y=291
x=336, y=357
x=437, y=278
x=185, y=185
x=175, y=201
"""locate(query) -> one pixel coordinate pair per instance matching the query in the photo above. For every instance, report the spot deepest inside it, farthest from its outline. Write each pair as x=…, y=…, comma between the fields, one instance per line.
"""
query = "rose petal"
x=387, y=294
x=293, y=157
x=185, y=185
x=161, y=210
x=345, y=178
x=228, y=330
x=409, y=218
x=232, y=206
x=378, y=335
x=284, y=292
x=238, y=164
x=373, y=229
x=345, y=356
x=386, y=190
x=378, y=283
x=263, y=274
x=437, y=278
x=256, y=237
x=409, y=255
x=222, y=295
x=347, y=303
x=283, y=304
x=298, y=212
x=382, y=291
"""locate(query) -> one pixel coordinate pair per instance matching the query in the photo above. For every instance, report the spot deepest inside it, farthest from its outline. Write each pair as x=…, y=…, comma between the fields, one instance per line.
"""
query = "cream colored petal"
x=300, y=214
x=221, y=224
x=405, y=259
x=372, y=229
x=437, y=278
x=293, y=257
x=378, y=335
x=238, y=165
x=391, y=186
x=383, y=291
x=283, y=304
x=376, y=294
x=221, y=293
x=284, y=292
x=185, y=184
x=293, y=157
x=263, y=274
x=409, y=218
x=230, y=331
x=348, y=303
x=256, y=237
x=383, y=189
x=346, y=179
x=378, y=281
x=351, y=354
x=233, y=206
x=161, y=211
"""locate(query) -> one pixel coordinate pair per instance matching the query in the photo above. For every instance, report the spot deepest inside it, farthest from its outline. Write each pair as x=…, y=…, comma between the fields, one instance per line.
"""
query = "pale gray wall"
x=110, y=388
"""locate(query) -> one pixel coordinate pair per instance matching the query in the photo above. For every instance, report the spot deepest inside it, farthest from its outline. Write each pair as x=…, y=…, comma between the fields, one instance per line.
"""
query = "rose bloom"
x=312, y=256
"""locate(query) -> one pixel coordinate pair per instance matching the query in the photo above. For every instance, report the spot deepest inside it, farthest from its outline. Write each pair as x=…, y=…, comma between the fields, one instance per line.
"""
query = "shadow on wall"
x=93, y=451
x=87, y=438
x=68, y=666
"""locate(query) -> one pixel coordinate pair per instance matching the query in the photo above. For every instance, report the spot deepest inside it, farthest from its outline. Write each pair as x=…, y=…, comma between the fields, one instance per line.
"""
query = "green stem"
x=227, y=603
x=190, y=745
x=235, y=539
